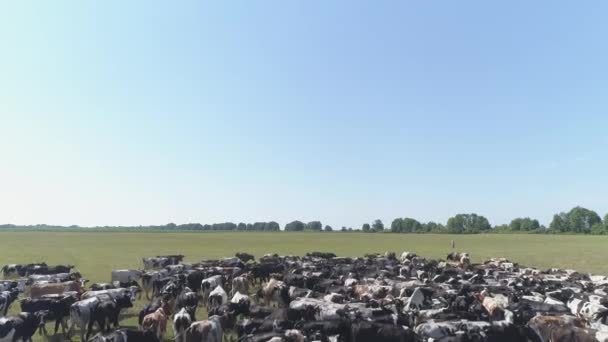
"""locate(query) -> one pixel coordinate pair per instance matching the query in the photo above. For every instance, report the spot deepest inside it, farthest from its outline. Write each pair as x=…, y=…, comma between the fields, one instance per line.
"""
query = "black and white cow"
x=125, y=276
x=20, y=327
x=209, y=284
x=81, y=314
x=58, y=309
x=6, y=299
x=181, y=321
x=127, y=335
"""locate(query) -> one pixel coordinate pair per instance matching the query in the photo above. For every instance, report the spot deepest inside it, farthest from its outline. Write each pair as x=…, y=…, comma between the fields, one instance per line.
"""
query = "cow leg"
x=57, y=322
x=68, y=335
x=89, y=328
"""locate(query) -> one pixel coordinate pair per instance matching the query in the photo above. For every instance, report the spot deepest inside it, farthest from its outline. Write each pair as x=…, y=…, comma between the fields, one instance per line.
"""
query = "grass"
x=95, y=254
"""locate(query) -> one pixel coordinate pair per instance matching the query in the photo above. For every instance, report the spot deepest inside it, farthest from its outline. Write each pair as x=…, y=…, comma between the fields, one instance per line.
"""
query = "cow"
x=21, y=270
x=209, y=330
x=6, y=285
x=21, y=327
x=461, y=258
x=549, y=328
x=101, y=286
x=274, y=291
x=53, y=278
x=126, y=275
x=148, y=278
x=58, y=309
x=217, y=298
x=38, y=290
x=188, y=300
x=156, y=322
x=112, y=293
x=161, y=261
x=208, y=284
x=6, y=299
x=159, y=302
x=126, y=335
x=43, y=269
x=109, y=310
x=244, y=257
x=81, y=315
x=239, y=284
x=181, y=321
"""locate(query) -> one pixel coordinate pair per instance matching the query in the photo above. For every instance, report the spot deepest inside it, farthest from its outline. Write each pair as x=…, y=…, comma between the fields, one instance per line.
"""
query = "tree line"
x=578, y=220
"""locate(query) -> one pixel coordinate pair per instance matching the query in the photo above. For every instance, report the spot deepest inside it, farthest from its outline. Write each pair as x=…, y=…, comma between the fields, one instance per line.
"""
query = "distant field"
x=95, y=254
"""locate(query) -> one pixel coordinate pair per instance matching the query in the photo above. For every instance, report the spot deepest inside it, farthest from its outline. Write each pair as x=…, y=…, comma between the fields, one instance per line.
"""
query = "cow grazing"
x=156, y=322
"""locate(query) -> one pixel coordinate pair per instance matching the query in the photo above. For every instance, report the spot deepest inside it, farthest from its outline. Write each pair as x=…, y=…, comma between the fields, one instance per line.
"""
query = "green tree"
x=343, y=229
x=272, y=226
x=524, y=224
x=396, y=225
x=366, y=228
x=433, y=227
x=378, y=226
x=468, y=224
x=577, y=220
x=328, y=228
x=295, y=226
x=314, y=225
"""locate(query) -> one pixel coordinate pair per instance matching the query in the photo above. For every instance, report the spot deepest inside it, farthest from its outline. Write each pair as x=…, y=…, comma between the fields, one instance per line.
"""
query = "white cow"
x=181, y=322
x=208, y=285
x=239, y=284
x=80, y=315
x=125, y=276
x=217, y=297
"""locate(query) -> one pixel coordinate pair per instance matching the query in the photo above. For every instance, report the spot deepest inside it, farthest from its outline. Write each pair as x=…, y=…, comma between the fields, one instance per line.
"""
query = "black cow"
x=50, y=269
x=21, y=327
x=21, y=270
x=109, y=311
x=6, y=299
x=363, y=331
x=127, y=335
x=58, y=309
x=245, y=257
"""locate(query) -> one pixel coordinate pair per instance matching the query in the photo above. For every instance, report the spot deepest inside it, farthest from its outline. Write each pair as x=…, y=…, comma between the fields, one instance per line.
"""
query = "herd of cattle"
x=317, y=297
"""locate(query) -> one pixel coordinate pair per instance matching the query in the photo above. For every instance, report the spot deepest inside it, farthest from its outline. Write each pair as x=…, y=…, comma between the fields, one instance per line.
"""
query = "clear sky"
x=148, y=112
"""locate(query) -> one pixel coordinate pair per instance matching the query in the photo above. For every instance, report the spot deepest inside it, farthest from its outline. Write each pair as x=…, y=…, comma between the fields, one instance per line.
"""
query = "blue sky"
x=147, y=112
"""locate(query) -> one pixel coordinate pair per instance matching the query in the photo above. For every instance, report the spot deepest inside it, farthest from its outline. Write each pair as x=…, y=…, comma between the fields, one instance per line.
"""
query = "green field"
x=95, y=254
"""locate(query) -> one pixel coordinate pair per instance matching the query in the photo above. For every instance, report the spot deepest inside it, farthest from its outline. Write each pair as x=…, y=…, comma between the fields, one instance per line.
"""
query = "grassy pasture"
x=95, y=254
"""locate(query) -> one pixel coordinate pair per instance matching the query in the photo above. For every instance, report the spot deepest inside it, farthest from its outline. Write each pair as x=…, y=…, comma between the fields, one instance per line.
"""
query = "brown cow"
x=205, y=331
x=39, y=290
x=156, y=322
x=555, y=328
